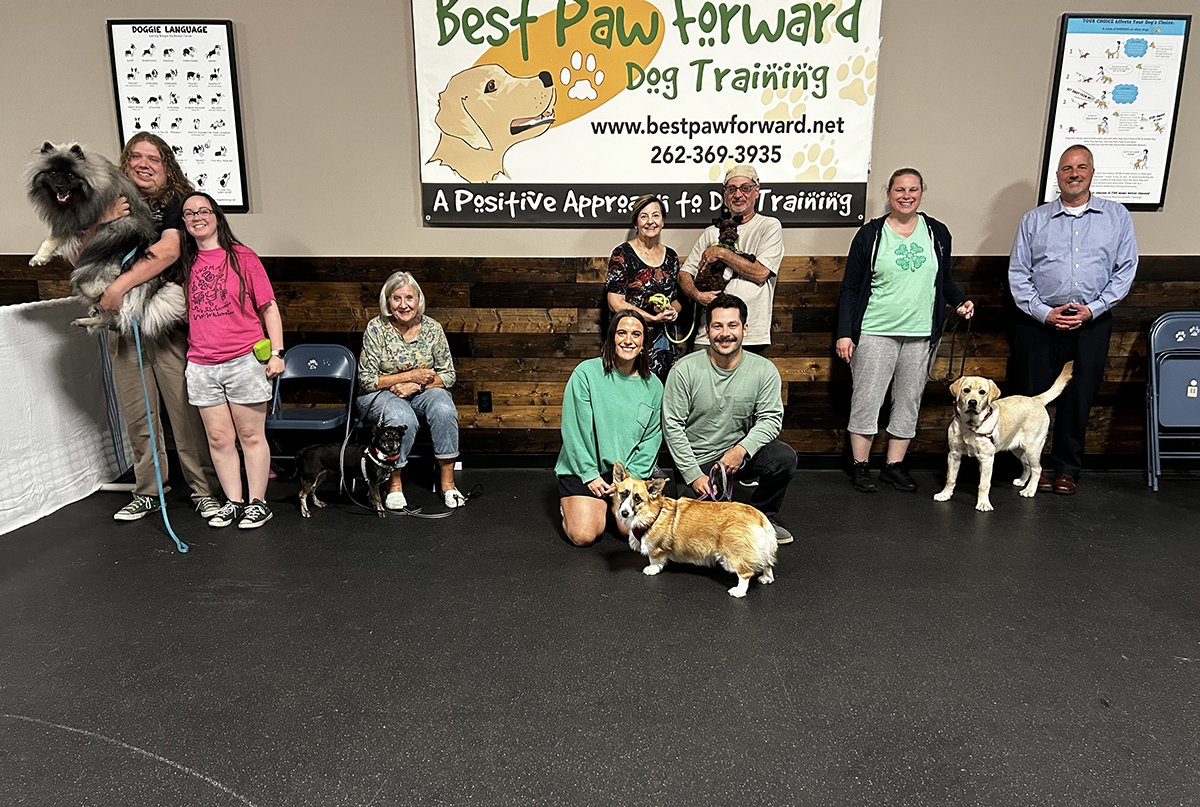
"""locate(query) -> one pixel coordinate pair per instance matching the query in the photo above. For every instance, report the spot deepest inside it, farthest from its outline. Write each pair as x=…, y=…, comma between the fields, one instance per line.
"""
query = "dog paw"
x=766, y=578
x=317, y=503
x=943, y=495
x=39, y=260
x=1020, y=481
x=651, y=570
x=1029, y=493
x=984, y=507
x=737, y=591
x=305, y=514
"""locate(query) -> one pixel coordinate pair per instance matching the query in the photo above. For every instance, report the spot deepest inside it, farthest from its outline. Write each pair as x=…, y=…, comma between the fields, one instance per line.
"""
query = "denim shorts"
x=241, y=381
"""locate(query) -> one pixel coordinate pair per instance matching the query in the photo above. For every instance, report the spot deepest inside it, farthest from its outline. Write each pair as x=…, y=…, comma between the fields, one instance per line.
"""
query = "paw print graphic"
x=582, y=89
x=784, y=104
x=816, y=162
x=858, y=73
x=1180, y=336
x=312, y=364
x=1194, y=330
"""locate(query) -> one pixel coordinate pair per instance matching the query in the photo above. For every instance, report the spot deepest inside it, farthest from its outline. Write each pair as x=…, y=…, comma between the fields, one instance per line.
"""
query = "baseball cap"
x=743, y=170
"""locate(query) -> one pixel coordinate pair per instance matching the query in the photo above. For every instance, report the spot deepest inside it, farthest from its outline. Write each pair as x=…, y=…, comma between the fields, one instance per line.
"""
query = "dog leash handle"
x=162, y=499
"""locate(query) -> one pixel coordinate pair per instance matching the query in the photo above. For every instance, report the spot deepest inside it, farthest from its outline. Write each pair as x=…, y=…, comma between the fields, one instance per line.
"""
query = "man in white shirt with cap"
x=754, y=280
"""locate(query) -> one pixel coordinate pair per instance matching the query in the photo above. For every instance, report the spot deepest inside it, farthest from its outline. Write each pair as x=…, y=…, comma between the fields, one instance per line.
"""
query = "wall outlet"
x=485, y=402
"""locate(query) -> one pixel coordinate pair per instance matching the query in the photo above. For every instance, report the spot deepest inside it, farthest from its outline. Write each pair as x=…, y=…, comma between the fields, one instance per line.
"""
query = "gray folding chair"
x=1172, y=389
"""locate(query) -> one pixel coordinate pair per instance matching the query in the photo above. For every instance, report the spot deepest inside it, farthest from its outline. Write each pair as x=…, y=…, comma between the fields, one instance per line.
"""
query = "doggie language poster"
x=177, y=79
x=1118, y=88
x=556, y=112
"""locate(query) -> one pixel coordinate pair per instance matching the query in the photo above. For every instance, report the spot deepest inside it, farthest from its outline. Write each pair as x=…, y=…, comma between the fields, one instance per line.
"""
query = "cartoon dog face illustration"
x=483, y=112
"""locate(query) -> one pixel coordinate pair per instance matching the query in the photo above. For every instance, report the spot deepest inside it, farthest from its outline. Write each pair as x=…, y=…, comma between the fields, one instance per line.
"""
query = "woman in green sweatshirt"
x=611, y=413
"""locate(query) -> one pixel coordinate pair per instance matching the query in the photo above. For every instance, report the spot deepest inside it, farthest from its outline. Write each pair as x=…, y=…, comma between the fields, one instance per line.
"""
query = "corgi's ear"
x=619, y=473
x=655, y=487
x=956, y=387
x=993, y=391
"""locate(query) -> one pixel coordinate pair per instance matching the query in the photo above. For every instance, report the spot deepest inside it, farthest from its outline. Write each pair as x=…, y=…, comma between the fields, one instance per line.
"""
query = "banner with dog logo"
x=556, y=112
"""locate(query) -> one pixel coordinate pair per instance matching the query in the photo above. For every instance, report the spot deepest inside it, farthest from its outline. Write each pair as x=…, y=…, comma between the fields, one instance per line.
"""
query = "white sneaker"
x=395, y=501
x=453, y=498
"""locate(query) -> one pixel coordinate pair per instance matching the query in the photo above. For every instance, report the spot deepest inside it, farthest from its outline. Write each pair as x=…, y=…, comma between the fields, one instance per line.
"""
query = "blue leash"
x=162, y=501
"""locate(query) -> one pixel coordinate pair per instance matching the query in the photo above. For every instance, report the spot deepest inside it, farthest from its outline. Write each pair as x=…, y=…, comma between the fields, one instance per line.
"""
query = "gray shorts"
x=241, y=381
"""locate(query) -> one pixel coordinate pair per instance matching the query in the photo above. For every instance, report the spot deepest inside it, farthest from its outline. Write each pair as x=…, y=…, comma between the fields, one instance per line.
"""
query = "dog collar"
x=379, y=458
x=990, y=431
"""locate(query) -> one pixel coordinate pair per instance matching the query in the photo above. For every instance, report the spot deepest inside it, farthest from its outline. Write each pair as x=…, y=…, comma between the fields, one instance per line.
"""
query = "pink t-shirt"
x=220, y=327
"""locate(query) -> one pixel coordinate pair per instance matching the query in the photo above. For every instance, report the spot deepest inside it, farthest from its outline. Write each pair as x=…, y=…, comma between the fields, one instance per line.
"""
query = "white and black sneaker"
x=255, y=515
x=229, y=513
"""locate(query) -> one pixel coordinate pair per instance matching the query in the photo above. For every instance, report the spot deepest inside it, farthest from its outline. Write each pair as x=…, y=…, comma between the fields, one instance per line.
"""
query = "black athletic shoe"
x=896, y=475
x=860, y=477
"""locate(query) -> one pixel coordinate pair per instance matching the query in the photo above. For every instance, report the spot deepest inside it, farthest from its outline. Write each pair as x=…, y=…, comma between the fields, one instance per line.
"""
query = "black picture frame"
x=1067, y=100
x=209, y=99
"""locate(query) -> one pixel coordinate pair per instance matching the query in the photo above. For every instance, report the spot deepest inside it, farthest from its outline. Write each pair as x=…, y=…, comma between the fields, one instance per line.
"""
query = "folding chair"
x=312, y=363
x=1172, y=388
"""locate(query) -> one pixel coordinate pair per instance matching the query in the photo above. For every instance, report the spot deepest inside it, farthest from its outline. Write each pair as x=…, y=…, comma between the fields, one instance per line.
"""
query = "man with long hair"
x=150, y=163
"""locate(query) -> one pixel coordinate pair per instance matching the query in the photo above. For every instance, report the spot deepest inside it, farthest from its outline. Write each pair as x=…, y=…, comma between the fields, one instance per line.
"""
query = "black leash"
x=949, y=377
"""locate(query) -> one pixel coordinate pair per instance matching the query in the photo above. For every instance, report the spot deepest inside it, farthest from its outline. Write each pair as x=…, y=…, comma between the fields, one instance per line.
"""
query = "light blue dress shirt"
x=1058, y=257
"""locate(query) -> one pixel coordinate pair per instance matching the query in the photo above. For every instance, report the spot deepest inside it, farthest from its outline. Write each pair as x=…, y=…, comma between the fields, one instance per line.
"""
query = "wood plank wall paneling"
x=518, y=326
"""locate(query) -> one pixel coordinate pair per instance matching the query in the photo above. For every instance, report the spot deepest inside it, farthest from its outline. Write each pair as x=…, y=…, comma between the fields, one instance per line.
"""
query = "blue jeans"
x=432, y=407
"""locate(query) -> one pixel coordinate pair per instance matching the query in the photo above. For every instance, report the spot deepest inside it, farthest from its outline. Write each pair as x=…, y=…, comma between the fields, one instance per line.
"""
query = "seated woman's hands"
x=404, y=389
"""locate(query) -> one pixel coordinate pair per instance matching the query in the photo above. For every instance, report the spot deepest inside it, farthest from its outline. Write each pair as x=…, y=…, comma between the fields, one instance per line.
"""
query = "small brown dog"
x=736, y=536
x=985, y=423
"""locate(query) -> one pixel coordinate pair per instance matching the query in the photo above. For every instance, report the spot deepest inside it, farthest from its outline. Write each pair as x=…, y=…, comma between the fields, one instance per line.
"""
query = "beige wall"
x=328, y=109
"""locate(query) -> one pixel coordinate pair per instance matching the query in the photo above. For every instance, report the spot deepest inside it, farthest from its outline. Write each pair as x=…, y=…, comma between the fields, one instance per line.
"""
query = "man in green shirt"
x=724, y=405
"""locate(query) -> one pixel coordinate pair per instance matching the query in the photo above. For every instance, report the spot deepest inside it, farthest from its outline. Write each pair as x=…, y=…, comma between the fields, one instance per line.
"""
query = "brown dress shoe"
x=1044, y=482
x=1064, y=484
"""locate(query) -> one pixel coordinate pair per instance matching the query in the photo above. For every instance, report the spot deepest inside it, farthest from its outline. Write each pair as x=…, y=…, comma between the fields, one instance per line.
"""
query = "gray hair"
x=399, y=280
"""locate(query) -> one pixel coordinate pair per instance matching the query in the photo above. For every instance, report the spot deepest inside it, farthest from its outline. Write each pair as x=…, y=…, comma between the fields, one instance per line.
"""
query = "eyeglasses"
x=746, y=189
x=192, y=214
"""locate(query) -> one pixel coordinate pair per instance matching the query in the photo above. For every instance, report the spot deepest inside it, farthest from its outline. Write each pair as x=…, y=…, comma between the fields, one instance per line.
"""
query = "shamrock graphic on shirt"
x=910, y=257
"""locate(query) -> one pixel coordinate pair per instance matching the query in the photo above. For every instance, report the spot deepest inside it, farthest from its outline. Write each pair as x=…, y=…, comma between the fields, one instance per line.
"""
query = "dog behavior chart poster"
x=178, y=79
x=562, y=113
x=1116, y=91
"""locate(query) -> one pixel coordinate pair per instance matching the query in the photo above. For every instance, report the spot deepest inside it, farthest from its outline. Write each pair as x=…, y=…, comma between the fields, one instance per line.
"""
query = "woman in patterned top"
x=406, y=353
x=641, y=268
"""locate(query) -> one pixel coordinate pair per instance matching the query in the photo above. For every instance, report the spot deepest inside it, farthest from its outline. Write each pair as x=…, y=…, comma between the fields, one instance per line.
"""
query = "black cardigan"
x=860, y=266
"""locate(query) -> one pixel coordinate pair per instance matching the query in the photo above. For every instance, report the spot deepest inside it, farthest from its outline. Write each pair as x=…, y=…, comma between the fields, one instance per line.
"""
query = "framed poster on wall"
x=1116, y=91
x=178, y=79
x=552, y=112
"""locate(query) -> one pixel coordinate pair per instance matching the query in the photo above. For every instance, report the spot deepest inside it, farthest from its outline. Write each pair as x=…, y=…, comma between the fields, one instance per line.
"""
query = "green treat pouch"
x=262, y=350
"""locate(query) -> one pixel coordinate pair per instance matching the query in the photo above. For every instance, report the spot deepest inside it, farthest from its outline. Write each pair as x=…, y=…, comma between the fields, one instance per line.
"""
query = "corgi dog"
x=736, y=536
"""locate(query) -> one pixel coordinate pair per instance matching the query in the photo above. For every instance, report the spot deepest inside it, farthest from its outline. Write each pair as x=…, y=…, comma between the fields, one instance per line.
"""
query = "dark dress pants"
x=1039, y=353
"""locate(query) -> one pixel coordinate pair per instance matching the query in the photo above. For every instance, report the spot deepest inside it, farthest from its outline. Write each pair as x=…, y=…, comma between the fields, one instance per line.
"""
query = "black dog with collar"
x=373, y=464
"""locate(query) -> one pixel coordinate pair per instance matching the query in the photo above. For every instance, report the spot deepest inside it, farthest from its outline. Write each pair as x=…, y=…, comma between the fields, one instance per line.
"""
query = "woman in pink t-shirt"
x=230, y=303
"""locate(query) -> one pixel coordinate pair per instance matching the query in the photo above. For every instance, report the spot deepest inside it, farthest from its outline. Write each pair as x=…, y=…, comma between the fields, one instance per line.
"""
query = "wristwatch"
x=278, y=353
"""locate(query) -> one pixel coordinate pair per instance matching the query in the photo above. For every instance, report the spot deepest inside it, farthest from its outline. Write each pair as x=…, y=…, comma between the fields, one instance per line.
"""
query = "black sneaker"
x=860, y=477
x=229, y=513
x=896, y=475
x=256, y=514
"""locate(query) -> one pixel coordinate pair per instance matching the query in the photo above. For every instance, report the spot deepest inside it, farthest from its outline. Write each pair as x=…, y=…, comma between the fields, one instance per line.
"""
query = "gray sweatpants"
x=878, y=361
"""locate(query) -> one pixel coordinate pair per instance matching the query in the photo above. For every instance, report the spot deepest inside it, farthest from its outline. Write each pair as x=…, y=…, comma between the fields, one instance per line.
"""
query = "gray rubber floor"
x=910, y=653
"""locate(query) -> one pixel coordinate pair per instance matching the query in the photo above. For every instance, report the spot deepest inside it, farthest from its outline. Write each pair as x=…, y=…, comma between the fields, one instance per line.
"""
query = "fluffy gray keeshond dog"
x=71, y=189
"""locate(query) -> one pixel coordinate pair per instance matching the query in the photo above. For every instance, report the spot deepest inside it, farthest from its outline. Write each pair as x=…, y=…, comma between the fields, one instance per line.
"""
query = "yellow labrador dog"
x=483, y=112
x=985, y=423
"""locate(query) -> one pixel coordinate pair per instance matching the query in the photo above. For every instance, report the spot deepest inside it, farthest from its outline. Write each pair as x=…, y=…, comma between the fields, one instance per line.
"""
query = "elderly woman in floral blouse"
x=405, y=353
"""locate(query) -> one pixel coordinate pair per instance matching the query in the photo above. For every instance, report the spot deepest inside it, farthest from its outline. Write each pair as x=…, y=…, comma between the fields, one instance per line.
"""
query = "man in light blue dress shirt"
x=1073, y=259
